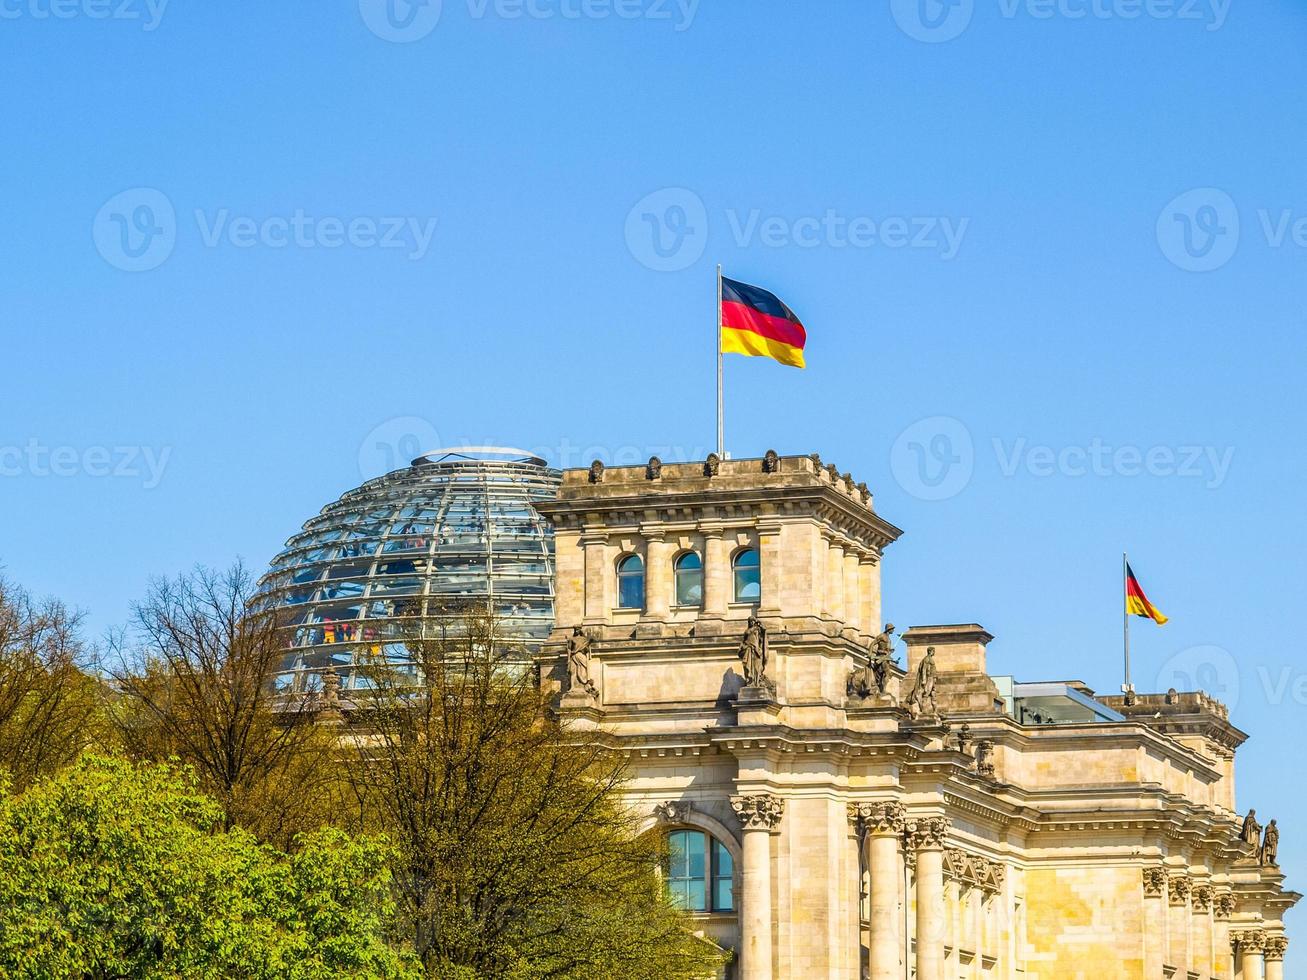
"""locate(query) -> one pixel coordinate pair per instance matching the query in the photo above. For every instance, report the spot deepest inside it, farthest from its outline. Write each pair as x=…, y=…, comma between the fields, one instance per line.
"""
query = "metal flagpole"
x=1127, y=687
x=721, y=432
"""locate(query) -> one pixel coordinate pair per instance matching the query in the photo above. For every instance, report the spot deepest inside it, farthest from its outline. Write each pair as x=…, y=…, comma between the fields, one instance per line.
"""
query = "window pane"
x=689, y=580
x=723, y=898
x=630, y=583
x=748, y=580
x=697, y=896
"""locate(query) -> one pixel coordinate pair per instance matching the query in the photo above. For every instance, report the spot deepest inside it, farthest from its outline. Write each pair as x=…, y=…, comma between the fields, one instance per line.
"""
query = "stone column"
x=881, y=826
x=758, y=814
x=596, y=575
x=1275, y=950
x=853, y=592
x=1222, y=909
x=716, y=572
x=867, y=593
x=1200, y=924
x=657, y=575
x=1154, y=921
x=835, y=580
x=926, y=837
x=1178, y=934
x=976, y=924
x=1250, y=953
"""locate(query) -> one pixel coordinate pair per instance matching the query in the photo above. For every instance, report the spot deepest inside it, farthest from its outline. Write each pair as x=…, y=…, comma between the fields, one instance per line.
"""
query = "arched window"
x=689, y=580
x=700, y=872
x=630, y=583
x=748, y=576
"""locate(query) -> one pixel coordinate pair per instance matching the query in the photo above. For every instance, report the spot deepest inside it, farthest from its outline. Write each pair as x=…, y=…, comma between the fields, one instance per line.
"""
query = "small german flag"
x=757, y=324
x=1136, y=603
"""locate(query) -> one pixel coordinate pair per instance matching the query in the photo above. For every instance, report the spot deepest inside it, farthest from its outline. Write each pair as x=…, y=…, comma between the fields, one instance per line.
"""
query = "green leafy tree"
x=50, y=709
x=115, y=870
x=514, y=856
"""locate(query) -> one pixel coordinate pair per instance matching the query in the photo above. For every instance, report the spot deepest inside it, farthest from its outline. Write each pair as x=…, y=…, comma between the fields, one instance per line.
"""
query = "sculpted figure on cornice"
x=1202, y=897
x=922, y=699
x=753, y=654
x=984, y=757
x=578, y=663
x=1270, y=848
x=1251, y=832
x=597, y=471
x=759, y=810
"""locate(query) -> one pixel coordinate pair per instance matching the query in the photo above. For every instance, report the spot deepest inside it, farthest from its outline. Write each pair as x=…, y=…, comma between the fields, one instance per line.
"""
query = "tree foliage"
x=115, y=870
x=199, y=687
x=514, y=858
x=50, y=709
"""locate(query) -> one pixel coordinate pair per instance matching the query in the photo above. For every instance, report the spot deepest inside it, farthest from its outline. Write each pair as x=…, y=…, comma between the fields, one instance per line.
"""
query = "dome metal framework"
x=405, y=553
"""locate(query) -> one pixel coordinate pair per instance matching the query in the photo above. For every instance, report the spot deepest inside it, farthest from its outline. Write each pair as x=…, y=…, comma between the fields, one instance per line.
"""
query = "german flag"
x=1136, y=603
x=757, y=324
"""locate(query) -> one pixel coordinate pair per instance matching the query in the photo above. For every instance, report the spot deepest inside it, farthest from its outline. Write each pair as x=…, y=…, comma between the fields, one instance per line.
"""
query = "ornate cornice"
x=878, y=819
x=761, y=811
x=925, y=832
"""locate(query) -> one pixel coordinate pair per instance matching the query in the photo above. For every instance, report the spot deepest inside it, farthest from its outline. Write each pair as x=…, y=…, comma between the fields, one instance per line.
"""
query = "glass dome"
x=409, y=550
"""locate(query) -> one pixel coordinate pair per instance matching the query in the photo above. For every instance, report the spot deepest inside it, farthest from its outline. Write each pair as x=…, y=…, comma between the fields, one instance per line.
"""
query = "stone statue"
x=922, y=699
x=578, y=663
x=1251, y=832
x=654, y=470
x=712, y=465
x=985, y=757
x=597, y=471
x=1270, y=846
x=771, y=463
x=753, y=654
x=882, y=655
x=964, y=739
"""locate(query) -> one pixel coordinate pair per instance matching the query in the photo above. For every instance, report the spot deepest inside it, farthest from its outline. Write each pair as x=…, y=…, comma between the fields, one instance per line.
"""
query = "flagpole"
x=721, y=432
x=1125, y=618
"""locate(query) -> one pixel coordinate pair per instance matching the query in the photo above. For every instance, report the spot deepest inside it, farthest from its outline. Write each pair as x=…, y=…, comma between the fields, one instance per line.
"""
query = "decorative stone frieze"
x=758, y=811
x=1223, y=904
x=973, y=870
x=1276, y=947
x=878, y=819
x=1202, y=897
x=1248, y=941
x=1154, y=882
x=1178, y=888
x=673, y=811
x=925, y=832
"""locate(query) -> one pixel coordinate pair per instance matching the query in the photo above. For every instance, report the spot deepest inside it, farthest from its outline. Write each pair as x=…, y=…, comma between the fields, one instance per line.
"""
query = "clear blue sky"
x=1068, y=315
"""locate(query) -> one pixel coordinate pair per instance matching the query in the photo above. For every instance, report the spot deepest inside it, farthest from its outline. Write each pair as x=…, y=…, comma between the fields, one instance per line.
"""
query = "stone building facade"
x=842, y=817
